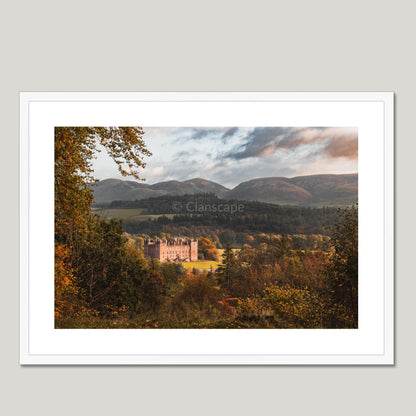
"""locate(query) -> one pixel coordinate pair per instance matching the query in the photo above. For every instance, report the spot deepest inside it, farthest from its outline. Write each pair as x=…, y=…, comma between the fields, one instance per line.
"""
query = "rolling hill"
x=329, y=189
x=109, y=190
x=192, y=186
x=313, y=190
x=272, y=190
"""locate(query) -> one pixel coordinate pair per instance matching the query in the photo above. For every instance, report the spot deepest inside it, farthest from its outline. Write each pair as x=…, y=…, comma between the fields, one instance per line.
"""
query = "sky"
x=231, y=155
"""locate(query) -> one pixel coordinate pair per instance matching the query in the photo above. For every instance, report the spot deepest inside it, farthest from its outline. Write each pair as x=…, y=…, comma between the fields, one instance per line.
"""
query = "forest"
x=294, y=267
x=237, y=228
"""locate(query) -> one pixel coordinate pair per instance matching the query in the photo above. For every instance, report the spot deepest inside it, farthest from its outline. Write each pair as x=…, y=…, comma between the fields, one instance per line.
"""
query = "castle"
x=177, y=249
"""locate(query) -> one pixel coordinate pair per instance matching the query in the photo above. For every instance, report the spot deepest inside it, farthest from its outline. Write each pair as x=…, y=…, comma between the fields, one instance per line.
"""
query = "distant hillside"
x=118, y=190
x=314, y=190
x=192, y=186
x=329, y=189
x=272, y=190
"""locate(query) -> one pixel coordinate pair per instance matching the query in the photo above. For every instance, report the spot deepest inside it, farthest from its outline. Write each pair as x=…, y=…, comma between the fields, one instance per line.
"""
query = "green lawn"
x=202, y=264
x=221, y=251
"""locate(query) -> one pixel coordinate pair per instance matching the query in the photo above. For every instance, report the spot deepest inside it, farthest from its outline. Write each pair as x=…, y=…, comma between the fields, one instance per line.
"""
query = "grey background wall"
x=208, y=46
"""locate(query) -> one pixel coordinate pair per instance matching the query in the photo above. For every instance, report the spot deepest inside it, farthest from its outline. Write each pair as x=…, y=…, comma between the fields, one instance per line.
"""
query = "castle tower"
x=194, y=250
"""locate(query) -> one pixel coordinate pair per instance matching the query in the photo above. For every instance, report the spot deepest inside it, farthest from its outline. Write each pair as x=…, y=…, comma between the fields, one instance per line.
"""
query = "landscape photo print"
x=229, y=227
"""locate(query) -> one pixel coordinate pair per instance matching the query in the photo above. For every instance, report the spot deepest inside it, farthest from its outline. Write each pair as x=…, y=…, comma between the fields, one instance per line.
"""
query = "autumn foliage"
x=103, y=280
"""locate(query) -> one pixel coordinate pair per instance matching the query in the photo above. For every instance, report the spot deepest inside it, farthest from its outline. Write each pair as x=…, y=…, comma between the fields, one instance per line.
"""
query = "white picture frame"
x=371, y=344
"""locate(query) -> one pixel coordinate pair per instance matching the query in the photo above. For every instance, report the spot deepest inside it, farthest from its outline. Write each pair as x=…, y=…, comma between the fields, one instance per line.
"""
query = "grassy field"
x=129, y=214
x=202, y=264
x=221, y=251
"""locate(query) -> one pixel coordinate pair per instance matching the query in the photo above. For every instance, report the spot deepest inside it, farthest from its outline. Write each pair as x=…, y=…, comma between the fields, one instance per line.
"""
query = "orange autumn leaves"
x=67, y=299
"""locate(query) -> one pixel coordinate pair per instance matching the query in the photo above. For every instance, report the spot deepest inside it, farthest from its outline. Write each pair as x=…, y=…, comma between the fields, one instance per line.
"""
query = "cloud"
x=183, y=154
x=345, y=145
x=158, y=171
x=229, y=133
x=230, y=155
x=340, y=141
x=202, y=133
x=262, y=141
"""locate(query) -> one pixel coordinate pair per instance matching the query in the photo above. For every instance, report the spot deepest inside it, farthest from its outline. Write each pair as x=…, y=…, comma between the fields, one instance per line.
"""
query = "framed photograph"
x=207, y=228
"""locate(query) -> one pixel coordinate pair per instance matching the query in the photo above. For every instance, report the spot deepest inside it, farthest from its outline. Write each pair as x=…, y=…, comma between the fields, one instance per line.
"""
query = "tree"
x=198, y=292
x=284, y=245
x=180, y=269
x=131, y=284
x=94, y=250
x=152, y=291
x=227, y=270
x=100, y=263
x=283, y=307
x=207, y=248
x=74, y=151
x=68, y=302
x=342, y=270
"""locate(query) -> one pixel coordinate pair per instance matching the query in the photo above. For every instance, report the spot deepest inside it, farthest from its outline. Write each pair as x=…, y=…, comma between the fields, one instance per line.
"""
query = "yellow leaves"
x=74, y=150
x=66, y=290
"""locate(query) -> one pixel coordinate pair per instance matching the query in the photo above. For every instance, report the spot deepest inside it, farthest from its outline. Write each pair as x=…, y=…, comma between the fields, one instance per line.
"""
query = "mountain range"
x=313, y=190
